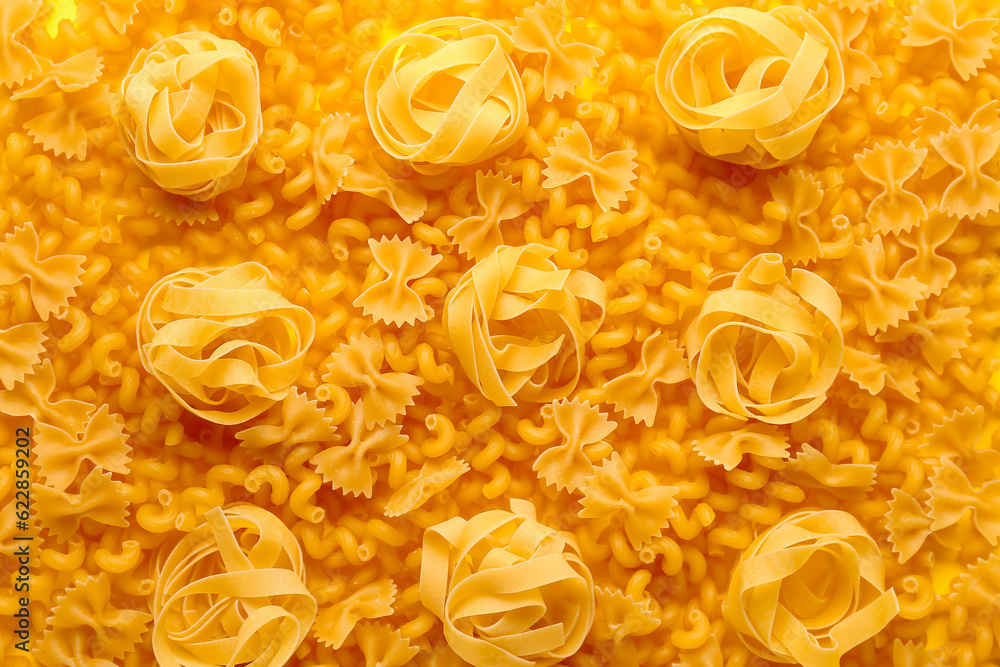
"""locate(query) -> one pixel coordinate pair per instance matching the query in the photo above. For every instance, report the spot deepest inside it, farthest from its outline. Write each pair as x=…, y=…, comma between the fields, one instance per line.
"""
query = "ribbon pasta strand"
x=189, y=113
x=510, y=591
x=791, y=77
x=519, y=290
x=792, y=326
x=223, y=341
x=223, y=599
x=417, y=112
x=809, y=589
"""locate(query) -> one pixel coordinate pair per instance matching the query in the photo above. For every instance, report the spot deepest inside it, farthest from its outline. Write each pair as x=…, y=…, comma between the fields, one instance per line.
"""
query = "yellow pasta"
x=512, y=283
x=582, y=428
x=266, y=580
x=18, y=60
x=85, y=615
x=969, y=44
x=572, y=157
x=771, y=116
x=788, y=624
x=227, y=383
x=530, y=569
x=540, y=30
x=52, y=280
x=202, y=149
x=490, y=277
x=804, y=348
x=610, y=494
x=433, y=130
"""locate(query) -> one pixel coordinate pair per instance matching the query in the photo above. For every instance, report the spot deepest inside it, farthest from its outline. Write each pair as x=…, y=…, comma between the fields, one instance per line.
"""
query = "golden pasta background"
x=588, y=364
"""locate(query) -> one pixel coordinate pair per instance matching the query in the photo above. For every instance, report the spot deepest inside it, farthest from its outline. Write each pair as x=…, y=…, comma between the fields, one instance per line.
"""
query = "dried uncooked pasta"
x=222, y=599
x=189, y=113
x=509, y=590
x=224, y=341
x=791, y=325
x=521, y=288
x=781, y=604
x=770, y=113
x=432, y=258
x=418, y=113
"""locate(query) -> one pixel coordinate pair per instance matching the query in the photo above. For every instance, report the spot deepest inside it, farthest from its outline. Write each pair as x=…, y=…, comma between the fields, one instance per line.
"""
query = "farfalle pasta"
x=335, y=622
x=52, y=280
x=890, y=165
x=516, y=285
x=969, y=43
x=21, y=347
x=509, y=590
x=540, y=30
x=582, y=431
x=572, y=158
x=86, y=616
x=75, y=73
x=772, y=113
x=610, y=496
x=796, y=198
x=189, y=113
x=388, y=297
x=845, y=28
x=223, y=599
x=348, y=467
x=729, y=448
x=433, y=477
x=60, y=455
x=119, y=14
x=620, y=616
x=384, y=395
x=416, y=111
x=383, y=646
x=952, y=494
x=338, y=163
x=967, y=150
x=33, y=398
x=882, y=299
x=17, y=62
x=792, y=324
x=98, y=499
x=777, y=608
x=635, y=393
x=500, y=200
x=296, y=421
x=223, y=341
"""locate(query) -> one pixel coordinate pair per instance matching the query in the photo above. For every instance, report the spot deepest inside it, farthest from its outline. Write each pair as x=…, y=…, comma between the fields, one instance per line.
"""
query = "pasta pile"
x=508, y=334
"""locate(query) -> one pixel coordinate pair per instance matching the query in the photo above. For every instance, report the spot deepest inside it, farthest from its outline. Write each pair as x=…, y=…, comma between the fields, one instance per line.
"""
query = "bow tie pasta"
x=189, y=113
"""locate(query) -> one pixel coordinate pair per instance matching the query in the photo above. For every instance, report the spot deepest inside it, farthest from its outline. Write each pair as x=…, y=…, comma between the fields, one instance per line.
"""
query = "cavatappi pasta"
x=432, y=333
